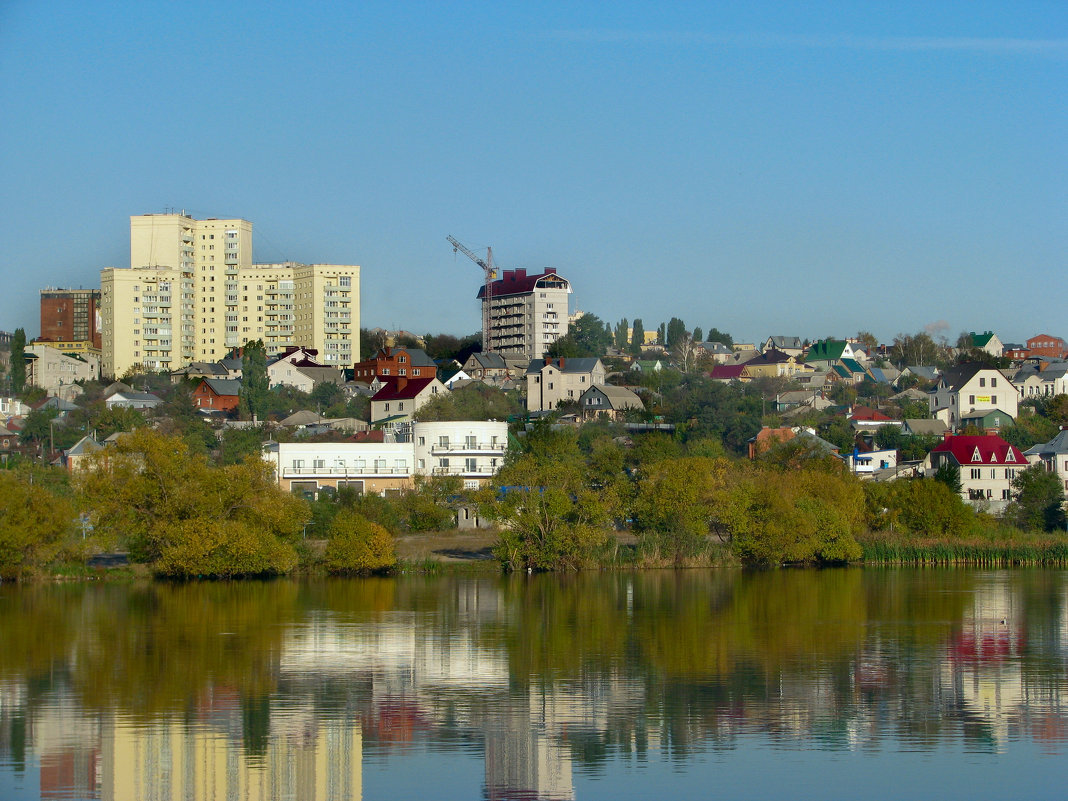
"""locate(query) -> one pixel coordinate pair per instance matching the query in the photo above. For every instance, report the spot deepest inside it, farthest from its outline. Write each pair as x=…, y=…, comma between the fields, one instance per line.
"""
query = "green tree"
x=637, y=337
x=622, y=334
x=254, y=382
x=949, y=474
x=186, y=518
x=18, y=361
x=33, y=525
x=357, y=545
x=1037, y=500
x=38, y=425
x=473, y=402
x=675, y=331
x=587, y=336
x=698, y=335
x=715, y=335
x=661, y=334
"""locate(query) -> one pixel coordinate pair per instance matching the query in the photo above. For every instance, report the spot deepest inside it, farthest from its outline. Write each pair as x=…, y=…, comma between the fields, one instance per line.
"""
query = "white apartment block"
x=192, y=293
x=473, y=450
x=528, y=313
x=51, y=369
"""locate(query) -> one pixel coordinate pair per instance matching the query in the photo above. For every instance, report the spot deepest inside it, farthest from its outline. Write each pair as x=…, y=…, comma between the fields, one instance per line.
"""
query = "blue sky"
x=778, y=168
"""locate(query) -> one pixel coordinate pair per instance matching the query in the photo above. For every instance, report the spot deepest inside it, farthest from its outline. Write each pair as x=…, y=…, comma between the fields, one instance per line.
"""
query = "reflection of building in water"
x=983, y=670
x=522, y=761
x=68, y=742
x=302, y=758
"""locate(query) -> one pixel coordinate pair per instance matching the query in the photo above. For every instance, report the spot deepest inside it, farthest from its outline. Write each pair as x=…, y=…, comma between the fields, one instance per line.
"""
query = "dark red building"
x=70, y=315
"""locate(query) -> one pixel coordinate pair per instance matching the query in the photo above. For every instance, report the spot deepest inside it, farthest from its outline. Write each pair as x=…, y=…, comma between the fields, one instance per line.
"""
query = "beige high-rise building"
x=192, y=293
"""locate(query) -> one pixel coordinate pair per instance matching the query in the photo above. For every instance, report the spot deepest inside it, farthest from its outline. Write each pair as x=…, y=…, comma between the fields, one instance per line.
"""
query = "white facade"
x=471, y=449
x=51, y=369
x=985, y=391
x=527, y=313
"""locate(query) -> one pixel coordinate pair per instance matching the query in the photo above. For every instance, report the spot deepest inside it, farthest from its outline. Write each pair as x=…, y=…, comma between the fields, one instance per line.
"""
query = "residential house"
x=827, y=353
x=197, y=370
x=987, y=341
x=608, y=400
x=921, y=371
x=13, y=407
x=76, y=456
x=646, y=366
x=51, y=369
x=488, y=367
x=550, y=381
x=473, y=450
x=1042, y=380
x=986, y=419
x=1053, y=455
x=768, y=438
x=1047, y=346
x=792, y=346
x=865, y=464
x=396, y=361
x=924, y=428
x=716, y=351
x=773, y=364
x=217, y=395
x=987, y=465
x=132, y=400
x=400, y=396
x=726, y=373
x=382, y=463
x=866, y=418
x=972, y=387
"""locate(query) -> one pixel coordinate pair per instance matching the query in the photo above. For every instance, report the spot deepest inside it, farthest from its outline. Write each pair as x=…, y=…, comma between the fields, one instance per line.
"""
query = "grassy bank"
x=1000, y=548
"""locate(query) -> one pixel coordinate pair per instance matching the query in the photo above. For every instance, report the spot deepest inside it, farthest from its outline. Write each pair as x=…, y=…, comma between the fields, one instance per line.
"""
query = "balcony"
x=333, y=471
x=486, y=448
x=481, y=472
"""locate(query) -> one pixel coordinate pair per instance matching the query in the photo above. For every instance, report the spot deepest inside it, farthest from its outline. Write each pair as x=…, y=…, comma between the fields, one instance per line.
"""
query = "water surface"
x=833, y=684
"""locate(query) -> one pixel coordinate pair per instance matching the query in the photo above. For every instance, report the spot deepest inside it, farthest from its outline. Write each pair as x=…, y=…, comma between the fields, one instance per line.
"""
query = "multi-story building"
x=69, y=319
x=550, y=381
x=527, y=313
x=987, y=465
x=52, y=369
x=472, y=450
x=964, y=390
x=192, y=293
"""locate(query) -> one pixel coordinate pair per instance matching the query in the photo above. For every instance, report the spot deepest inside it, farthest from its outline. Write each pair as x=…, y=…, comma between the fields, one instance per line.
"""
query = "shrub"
x=358, y=546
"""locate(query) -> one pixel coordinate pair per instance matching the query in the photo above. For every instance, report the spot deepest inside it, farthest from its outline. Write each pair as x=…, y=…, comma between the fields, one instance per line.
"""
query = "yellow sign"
x=982, y=399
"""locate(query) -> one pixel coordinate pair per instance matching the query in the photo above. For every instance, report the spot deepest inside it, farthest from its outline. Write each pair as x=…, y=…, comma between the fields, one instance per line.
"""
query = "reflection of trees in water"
x=587, y=667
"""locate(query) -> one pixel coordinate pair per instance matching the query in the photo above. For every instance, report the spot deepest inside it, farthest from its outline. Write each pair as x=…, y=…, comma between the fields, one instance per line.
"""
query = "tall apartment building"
x=192, y=293
x=527, y=314
x=69, y=318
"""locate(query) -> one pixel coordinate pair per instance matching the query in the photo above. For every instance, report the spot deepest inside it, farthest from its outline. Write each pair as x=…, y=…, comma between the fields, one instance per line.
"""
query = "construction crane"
x=487, y=294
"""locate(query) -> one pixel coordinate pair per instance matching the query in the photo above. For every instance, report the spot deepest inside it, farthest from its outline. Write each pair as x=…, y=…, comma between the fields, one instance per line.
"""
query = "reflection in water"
x=287, y=690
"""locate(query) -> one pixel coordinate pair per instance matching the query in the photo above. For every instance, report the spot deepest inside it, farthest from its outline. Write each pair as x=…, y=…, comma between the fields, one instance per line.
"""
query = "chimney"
x=402, y=382
x=520, y=273
x=946, y=435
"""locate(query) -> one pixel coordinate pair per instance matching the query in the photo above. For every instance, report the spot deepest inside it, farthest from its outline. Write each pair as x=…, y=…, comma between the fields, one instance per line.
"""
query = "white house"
x=400, y=396
x=987, y=465
x=471, y=449
x=968, y=388
x=550, y=381
x=1054, y=455
x=51, y=369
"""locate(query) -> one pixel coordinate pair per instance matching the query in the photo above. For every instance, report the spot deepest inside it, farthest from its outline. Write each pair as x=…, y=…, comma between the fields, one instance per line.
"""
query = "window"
x=443, y=463
x=471, y=465
x=470, y=441
x=443, y=441
x=1005, y=495
x=982, y=382
x=422, y=440
x=976, y=472
x=971, y=399
x=993, y=382
x=994, y=400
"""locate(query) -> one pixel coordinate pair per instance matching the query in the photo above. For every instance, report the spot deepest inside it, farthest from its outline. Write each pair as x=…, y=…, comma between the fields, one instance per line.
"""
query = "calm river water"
x=836, y=684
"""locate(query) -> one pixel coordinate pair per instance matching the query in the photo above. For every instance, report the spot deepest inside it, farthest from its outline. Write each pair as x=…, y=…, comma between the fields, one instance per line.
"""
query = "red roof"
x=400, y=388
x=867, y=413
x=515, y=282
x=727, y=371
x=969, y=449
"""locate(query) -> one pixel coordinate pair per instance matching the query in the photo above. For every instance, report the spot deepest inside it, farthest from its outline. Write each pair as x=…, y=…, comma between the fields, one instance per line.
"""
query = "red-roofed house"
x=729, y=372
x=987, y=463
x=400, y=396
x=864, y=417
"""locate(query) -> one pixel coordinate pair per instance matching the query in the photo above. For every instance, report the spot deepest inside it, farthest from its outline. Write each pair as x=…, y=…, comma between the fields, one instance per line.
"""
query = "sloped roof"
x=577, y=365
x=85, y=445
x=780, y=342
x=118, y=386
x=924, y=371
x=868, y=413
x=956, y=377
x=1057, y=445
x=323, y=375
x=981, y=340
x=517, y=282
x=826, y=350
x=490, y=361
x=727, y=372
x=853, y=366
x=305, y=417
x=223, y=386
x=926, y=427
x=392, y=389
x=986, y=449
x=618, y=397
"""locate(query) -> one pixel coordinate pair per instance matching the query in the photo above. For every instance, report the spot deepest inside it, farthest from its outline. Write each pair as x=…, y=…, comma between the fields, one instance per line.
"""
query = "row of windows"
x=977, y=473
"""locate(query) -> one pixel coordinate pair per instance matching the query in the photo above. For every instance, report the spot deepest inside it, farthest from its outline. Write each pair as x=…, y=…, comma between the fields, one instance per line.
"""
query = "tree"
x=661, y=334
x=697, y=335
x=18, y=361
x=254, y=382
x=357, y=545
x=175, y=511
x=372, y=341
x=473, y=402
x=587, y=336
x=948, y=473
x=715, y=335
x=38, y=425
x=33, y=524
x=868, y=341
x=637, y=337
x=676, y=330
x=1037, y=500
